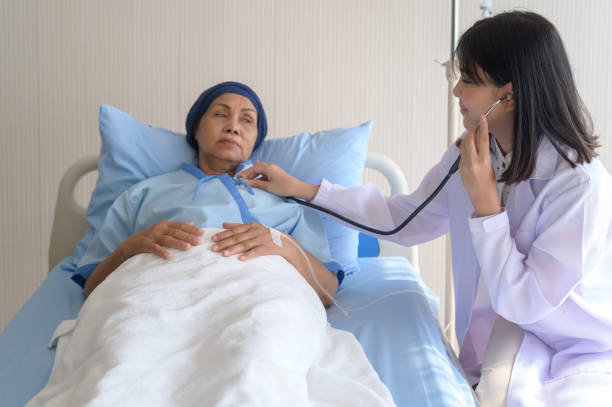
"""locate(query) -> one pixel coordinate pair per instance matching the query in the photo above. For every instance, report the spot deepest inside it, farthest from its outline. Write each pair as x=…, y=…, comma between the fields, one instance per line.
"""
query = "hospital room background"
x=315, y=64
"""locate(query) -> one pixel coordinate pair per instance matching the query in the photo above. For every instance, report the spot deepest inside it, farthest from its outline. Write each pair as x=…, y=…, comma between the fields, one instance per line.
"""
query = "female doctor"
x=529, y=215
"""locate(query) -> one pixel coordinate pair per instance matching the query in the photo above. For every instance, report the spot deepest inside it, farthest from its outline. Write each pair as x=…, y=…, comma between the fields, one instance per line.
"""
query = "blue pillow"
x=133, y=151
x=337, y=155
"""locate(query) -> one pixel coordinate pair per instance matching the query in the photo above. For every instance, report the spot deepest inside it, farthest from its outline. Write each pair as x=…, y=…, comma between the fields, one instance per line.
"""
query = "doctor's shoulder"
x=556, y=178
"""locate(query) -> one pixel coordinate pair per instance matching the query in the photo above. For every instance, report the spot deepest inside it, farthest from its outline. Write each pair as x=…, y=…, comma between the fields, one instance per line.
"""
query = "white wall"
x=315, y=64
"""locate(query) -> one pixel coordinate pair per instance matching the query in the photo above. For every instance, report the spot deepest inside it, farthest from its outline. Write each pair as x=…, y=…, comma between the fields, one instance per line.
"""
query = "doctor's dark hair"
x=525, y=48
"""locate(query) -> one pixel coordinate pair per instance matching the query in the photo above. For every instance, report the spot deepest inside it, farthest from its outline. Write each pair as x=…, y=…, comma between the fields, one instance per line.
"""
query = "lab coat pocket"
x=524, y=239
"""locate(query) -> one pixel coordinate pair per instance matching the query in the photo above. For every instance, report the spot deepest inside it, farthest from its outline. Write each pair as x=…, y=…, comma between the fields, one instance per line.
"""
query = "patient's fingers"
x=233, y=240
x=242, y=238
x=232, y=229
x=189, y=227
x=175, y=235
x=160, y=251
x=251, y=254
x=241, y=247
x=184, y=236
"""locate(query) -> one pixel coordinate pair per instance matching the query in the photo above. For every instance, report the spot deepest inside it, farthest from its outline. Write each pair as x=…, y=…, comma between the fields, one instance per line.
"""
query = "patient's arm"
x=175, y=235
x=253, y=240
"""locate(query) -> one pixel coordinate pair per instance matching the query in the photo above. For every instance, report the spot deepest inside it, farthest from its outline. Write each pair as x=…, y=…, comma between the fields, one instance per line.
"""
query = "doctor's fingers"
x=272, y=178
x=482, y=137
x=259, y=168
x=468, y=148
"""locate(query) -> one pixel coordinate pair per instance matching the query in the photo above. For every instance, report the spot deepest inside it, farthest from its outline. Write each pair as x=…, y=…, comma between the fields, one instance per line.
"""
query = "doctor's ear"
x=508, y=102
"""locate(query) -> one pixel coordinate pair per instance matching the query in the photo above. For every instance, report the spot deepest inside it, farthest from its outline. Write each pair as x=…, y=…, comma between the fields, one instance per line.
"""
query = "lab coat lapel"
x=463, y=257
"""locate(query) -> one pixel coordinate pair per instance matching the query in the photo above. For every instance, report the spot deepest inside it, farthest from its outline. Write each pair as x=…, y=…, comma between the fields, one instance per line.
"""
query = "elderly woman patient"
x=192, y=301
x=224, y=126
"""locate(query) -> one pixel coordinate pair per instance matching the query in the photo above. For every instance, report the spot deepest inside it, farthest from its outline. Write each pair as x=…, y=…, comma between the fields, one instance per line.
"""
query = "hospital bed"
x=394, y=314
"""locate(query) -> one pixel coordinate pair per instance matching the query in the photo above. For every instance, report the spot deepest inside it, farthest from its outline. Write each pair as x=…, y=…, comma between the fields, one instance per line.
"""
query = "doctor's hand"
x=274, y=179
x=476, y=170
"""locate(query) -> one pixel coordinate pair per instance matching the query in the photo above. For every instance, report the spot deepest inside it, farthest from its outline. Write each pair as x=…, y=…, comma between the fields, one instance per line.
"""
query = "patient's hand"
x=164, y=233
x=251, y=239
x=176, y=235
x=274, y=179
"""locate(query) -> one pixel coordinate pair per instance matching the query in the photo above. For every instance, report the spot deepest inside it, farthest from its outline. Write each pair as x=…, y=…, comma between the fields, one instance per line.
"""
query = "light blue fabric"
x=399, y=335
x=25, y=359
x=180, y=196
x=133, y=151
x=337, y=155
x=395, y=320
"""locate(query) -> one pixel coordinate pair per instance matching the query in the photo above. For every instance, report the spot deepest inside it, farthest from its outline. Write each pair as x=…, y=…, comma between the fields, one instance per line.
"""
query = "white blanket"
x=204, y=330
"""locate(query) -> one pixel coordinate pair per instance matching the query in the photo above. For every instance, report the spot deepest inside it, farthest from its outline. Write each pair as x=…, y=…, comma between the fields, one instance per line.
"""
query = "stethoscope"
x=402, y=225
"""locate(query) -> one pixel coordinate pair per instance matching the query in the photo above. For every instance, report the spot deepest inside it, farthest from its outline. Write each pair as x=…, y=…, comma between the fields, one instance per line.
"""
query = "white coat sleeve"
x=367, y=205
x=527, y=285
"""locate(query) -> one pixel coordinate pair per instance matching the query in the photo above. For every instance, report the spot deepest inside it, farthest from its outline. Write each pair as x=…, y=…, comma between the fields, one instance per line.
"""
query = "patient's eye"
x=248, y=119
x=220, y=114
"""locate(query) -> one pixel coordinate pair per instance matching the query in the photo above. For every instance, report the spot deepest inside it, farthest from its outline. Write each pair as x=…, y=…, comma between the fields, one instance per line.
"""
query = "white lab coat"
x=546, y=260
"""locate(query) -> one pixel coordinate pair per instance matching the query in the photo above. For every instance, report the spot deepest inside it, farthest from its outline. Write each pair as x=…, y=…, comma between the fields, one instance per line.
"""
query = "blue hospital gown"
x=188, y=194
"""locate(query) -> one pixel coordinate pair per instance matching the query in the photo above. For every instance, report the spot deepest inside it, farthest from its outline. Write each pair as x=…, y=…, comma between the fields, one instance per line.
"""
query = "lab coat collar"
x=546, y=160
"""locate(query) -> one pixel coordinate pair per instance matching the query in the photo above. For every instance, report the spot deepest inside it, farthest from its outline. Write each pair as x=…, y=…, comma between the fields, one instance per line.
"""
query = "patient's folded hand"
x=250, y=239
x=163, y=234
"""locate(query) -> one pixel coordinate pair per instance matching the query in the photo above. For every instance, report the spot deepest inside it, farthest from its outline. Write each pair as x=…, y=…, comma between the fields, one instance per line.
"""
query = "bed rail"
x=69, y=223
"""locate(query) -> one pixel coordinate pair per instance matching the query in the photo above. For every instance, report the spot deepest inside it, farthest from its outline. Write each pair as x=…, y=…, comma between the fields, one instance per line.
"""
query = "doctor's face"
x=475, y=99
x=228, y=129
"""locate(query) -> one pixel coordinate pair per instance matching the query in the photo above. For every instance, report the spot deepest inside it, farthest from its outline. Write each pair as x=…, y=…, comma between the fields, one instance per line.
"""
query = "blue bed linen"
x=398, y=328
x=399, y=334
x=25, y=359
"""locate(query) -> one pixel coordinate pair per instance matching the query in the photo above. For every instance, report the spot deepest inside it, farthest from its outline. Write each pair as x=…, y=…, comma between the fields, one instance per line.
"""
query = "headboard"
x=69, y=223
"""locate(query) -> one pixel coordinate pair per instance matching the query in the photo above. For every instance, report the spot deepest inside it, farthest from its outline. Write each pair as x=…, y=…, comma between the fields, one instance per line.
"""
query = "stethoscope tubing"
x=377, y=231
x=406, y=221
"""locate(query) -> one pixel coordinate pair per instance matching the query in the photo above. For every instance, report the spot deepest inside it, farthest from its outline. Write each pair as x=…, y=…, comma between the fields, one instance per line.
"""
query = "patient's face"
x=227, y=131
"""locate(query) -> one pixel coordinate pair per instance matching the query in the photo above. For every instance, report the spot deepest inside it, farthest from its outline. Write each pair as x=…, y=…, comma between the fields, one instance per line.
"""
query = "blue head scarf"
x=209, y=95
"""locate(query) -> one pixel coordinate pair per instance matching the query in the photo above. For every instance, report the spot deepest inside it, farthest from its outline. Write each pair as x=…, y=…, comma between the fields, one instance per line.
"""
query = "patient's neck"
x=215, y=166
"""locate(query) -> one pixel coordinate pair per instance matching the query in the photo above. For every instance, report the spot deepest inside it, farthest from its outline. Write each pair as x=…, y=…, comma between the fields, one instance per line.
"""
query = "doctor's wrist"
x=307, y=191
x=484, y=211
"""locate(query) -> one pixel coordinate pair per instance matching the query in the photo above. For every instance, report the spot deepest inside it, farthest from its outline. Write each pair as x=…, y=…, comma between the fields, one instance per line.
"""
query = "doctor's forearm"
x=306, y=191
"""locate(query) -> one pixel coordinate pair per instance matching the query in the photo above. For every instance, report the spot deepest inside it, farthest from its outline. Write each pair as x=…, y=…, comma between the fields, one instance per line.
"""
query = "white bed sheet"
x=399, y=333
